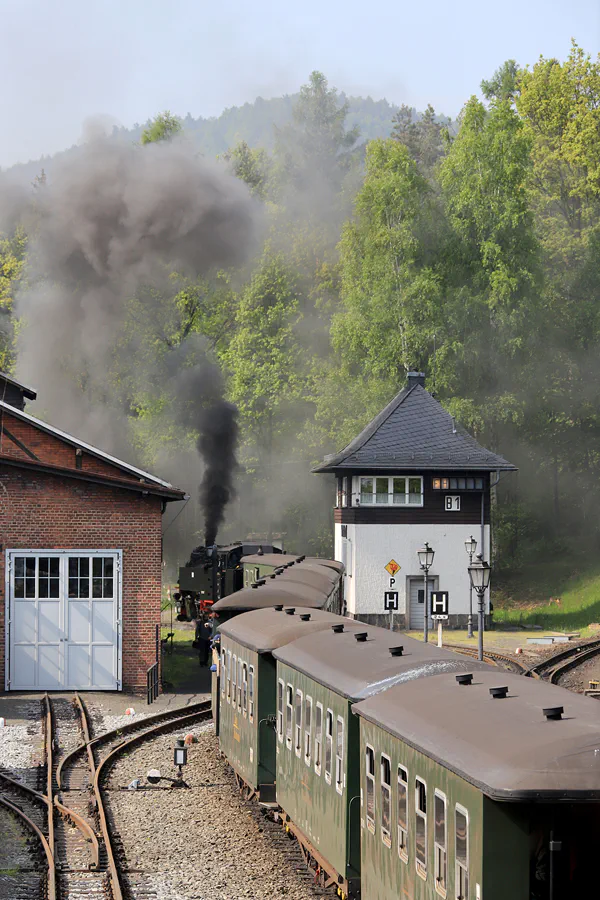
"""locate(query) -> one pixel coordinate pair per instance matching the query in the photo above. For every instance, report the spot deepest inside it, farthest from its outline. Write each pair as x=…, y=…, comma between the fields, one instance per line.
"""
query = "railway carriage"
x=472, y=791
x=318, y=757
x=248, y=688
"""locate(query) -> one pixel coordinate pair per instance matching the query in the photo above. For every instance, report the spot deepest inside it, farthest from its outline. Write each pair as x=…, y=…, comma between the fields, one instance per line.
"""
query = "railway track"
x=553, y=668
x=60, y=833
x=495, y=659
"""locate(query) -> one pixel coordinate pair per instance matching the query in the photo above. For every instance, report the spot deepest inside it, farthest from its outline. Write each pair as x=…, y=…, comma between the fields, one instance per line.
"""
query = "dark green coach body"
x=500, y=773
x=318, y=745
x=247, y=700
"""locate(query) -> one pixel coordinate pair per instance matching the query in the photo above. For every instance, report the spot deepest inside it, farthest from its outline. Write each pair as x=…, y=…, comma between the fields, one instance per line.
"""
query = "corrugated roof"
x=414, y=431
x=324, y=580
x=75, y=442
x=266, y=629
x=507, y=748
x=359, y=669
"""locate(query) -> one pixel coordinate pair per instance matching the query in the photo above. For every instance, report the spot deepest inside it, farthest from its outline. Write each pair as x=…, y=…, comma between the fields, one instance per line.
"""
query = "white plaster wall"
x=373, y=546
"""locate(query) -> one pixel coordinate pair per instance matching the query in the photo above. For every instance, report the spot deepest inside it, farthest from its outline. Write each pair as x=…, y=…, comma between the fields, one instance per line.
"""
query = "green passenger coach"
x=472, y=790
x=247, y=687
x=318, y=745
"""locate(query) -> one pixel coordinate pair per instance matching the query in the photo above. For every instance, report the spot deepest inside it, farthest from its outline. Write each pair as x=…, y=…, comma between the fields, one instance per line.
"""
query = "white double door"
x=63, y=618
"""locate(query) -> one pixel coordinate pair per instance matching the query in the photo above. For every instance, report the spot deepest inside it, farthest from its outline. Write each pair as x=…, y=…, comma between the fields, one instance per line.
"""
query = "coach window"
x=289, y=711
x=402, y=814
x=239, y=685
x=280, y=691
x=228, y=676
x=370, y=787
x=461, y=877
x=223, y=670
x=328, y=745
x=251, y=693
x=339, y=755
x=307, y=729
x=385, y=775
x=233, y=677
x=440, y=840
x=245, y=689
x=421, y=827
x=298, y=724
x=318, y=737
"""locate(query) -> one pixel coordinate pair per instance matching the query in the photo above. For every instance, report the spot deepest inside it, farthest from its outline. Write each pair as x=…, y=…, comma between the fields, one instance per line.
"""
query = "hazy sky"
x=64, y=61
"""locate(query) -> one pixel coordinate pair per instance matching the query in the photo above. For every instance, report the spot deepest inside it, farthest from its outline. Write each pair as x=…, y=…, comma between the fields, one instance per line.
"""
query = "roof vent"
x=397, y=651
x=553, y=712
x=291, y=562
x=290, y=611
x=305, y=617
x=273, y=575
x=301, y=558
x=337, y=629
x=254, y=585
x=360, y=636
x=465, y=679
x=279, y=607
x=499, y=693
x=414, y=378
x=280, y=570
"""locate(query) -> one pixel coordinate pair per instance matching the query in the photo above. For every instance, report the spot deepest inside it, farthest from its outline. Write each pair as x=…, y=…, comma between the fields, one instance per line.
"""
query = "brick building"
x=80, y=558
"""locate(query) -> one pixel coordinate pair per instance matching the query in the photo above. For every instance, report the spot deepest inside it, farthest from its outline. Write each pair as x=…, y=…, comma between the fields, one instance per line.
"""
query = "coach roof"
x=265, y=629
x=357, y=669
x=506, y=747
x=271, y=594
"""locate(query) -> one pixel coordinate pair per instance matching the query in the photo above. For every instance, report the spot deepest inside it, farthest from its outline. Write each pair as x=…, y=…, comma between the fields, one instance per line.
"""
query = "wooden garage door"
x=64, y=620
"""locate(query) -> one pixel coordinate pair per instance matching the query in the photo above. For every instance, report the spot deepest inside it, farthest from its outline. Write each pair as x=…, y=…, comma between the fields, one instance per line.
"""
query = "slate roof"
x=414, y=431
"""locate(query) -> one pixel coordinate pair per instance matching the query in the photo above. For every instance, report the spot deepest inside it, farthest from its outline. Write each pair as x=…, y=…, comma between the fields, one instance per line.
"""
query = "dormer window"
x=397, y=490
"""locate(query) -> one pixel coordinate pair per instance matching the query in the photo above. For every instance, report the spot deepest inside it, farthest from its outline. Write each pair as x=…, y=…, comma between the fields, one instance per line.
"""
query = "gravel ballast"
x=196, y=844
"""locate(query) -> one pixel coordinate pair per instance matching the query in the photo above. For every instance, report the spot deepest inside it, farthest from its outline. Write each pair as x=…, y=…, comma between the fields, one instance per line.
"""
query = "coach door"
x=63, y=620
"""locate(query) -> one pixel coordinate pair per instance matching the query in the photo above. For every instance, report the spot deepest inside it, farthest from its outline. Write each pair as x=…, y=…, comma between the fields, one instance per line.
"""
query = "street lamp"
x=470, y=547
x=479, y=573
x=426, y=561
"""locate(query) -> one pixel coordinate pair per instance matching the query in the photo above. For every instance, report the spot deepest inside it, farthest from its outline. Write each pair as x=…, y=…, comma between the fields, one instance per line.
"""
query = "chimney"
x=414, y=378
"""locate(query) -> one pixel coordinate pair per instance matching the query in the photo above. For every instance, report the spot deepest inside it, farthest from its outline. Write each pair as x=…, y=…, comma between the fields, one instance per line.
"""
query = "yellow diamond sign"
x=392, y=567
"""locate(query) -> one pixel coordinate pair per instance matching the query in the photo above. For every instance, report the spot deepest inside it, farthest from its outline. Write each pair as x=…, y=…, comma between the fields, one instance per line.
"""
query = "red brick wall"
x=39, y=511
x=51, y=450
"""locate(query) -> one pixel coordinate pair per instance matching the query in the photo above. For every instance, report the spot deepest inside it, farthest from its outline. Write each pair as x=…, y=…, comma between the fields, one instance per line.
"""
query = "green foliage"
x=423, y=136
x=12, y=259
x=503, y=83
x=163, y=127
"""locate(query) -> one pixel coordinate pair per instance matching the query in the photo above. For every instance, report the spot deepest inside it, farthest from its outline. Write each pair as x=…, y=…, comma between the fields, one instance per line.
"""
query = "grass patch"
x=558, y=595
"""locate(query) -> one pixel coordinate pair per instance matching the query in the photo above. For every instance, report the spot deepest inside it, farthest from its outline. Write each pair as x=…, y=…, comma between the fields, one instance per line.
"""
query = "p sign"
x=439, y=605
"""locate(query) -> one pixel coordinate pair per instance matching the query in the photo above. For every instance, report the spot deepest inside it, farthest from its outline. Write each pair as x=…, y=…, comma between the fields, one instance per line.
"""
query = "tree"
x=253, y=167
x=163, y=127
x=423, y=136
x=503, y=83
x=12, y=261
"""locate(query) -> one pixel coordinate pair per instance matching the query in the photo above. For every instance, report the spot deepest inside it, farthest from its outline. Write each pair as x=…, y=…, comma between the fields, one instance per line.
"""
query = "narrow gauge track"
x=555, y=666
x=495, y=659
x=71, y=852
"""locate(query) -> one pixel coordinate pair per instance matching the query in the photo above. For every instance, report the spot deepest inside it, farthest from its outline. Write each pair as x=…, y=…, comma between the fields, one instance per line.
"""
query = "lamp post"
x=479, y=573
x=426, y=561
x=470, y=547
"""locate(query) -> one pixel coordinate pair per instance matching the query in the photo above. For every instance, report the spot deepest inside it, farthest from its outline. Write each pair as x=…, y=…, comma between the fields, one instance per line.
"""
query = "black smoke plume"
x=217, y=445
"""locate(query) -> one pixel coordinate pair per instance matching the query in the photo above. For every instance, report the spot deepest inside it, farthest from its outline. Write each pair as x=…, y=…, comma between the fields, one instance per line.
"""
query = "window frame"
x=229, y=676
x=403, y=844
x=460, y=809
x=370, y=787
x=239, y=685
x=245, y=689
x=389, y=501
x=452, y=483
x=223, y=671
x=251, y=687
x=289, y=715
x=420, y=867
x=308, y=721
x=438, y=849
x=328, y=744
x=298, y=720
x=318, y=737
x=385, y=791
x=339, y=758
x=233, y=680
x=280, y=709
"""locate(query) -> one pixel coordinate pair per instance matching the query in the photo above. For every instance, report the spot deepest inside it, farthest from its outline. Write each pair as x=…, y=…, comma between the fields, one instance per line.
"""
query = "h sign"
x=439, y=605
x=390, y=600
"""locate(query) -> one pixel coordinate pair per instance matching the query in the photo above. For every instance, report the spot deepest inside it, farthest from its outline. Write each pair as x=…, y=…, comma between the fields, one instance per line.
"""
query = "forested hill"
x=255, y=123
